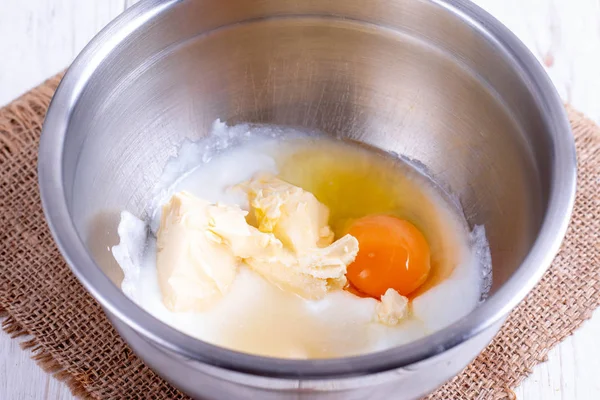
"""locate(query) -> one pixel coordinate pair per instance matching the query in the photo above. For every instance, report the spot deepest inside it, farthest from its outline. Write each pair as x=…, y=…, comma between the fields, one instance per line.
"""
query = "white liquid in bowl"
x=256, y=316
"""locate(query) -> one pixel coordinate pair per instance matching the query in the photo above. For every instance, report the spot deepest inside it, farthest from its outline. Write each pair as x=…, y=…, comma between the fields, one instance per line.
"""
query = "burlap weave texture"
x=70, y=337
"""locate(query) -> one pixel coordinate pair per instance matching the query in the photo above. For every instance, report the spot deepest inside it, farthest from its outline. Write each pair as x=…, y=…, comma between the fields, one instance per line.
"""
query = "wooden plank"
x=20, y=377
x=39, y=38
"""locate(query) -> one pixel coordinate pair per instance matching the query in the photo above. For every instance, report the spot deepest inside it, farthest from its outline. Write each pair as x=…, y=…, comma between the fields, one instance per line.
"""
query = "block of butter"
x=194, y=266
x=292, y=214
x=200, y=245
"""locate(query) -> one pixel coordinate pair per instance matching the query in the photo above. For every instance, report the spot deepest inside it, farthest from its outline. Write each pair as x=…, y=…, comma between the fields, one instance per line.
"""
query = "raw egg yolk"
x=392, y=253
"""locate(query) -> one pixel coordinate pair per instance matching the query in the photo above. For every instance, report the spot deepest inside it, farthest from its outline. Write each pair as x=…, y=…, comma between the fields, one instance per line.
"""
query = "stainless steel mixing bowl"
x=438, y=81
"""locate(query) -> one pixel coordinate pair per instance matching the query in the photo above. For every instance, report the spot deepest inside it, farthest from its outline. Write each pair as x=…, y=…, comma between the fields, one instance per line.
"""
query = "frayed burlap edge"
x=26, y=114
x=42, y=357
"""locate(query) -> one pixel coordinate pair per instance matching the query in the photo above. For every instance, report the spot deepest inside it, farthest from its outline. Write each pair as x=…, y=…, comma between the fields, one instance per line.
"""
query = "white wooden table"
x=40, y=37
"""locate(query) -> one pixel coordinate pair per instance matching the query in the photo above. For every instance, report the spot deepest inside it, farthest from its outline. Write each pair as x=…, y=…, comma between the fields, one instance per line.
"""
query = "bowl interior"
x=408, y=76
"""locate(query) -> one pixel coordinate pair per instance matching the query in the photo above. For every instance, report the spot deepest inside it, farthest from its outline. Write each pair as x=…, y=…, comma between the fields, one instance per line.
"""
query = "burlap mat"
x=69, y=336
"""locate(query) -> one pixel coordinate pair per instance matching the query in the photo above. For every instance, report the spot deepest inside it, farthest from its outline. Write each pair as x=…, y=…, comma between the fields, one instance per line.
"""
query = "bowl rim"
x=488, y=314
